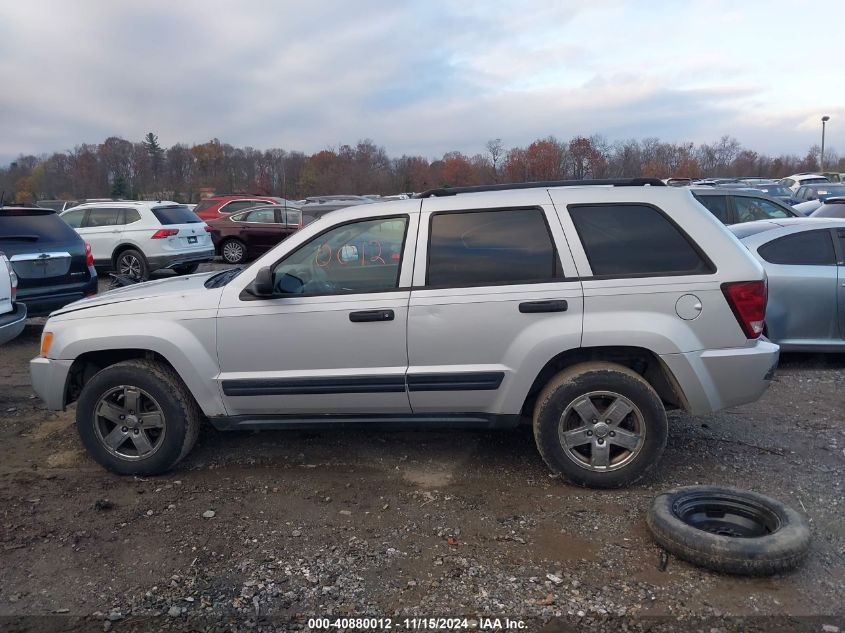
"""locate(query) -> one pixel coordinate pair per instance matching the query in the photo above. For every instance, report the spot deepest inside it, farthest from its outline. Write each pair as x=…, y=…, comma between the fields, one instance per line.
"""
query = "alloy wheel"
x=233, y=252
x=602, y=431
x=129, y=423
x=130, y=266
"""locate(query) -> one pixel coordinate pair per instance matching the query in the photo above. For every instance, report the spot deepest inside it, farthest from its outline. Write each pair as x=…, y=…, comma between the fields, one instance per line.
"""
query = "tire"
x=133, y=264
x=121, y=449
x=577, y=441
x=757, y=535
x=187, y=269
x=233, y=251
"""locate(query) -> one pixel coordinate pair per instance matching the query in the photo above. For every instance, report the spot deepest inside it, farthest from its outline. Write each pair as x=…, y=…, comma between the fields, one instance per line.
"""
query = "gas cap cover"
x=688, y=307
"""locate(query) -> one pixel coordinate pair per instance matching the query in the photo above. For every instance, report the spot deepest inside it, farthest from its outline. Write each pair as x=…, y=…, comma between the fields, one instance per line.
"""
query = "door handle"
x=529, y=307
x=371, y=315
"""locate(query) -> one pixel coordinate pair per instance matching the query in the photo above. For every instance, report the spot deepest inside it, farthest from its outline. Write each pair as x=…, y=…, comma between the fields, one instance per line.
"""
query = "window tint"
x=74, y=218
x=634, y=240
x=176, y=214
x=717, y=205
x=483, y=247
x=239, y=205
x=356, y=257
x=810, y=248
x=264, y=216
x=131, y=215
x=102, y=217
x=748, y=209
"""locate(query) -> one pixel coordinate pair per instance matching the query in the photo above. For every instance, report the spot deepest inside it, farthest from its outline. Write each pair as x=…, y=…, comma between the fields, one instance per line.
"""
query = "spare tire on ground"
x=729, y=530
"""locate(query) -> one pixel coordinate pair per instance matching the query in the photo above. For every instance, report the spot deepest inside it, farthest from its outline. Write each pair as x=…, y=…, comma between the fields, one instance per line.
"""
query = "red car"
x=220, y=206
x=253, y=232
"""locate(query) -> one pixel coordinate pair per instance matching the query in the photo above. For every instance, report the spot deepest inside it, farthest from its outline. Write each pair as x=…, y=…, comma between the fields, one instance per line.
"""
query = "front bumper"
x=717, y=379
x=12, y=323
x=49, y=380
x=180, y=259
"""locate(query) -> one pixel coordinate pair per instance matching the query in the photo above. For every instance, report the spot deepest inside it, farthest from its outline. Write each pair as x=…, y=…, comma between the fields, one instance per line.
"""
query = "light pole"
x=825, y=119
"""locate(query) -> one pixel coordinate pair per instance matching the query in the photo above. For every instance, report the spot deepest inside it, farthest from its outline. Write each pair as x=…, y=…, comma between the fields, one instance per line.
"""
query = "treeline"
x=145, y=169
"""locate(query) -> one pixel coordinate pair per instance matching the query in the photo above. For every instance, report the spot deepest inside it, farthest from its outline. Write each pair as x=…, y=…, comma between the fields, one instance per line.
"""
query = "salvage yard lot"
x=351, y=522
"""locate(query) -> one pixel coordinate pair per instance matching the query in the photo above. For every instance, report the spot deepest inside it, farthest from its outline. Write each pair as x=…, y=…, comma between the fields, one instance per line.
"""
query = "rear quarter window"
x=175, y=215
x=630, y=240
x=808, y=248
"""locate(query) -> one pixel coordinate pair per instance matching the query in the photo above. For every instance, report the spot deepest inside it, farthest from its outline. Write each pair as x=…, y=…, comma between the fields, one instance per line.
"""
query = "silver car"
x=585, y=311
x=804, y=259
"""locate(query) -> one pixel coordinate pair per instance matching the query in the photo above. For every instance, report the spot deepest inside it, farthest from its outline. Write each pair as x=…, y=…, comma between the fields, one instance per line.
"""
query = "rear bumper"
x=717, y=379
x=42, y=300
x=180, y=259
x=49, y=379
x=12, y=323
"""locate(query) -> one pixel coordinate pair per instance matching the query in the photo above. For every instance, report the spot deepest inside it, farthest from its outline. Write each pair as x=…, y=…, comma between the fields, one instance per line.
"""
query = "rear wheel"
x=233, y=251
x=600, y=425
x=187, y=269
x=137, y=418
x=133, y=264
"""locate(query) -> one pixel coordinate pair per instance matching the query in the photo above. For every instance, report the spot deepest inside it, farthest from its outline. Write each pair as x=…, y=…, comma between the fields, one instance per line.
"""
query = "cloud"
x=419, y=78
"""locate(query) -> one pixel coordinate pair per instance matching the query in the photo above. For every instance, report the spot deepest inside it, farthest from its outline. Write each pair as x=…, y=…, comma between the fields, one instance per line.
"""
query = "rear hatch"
x=182, y=229
x=43, y=249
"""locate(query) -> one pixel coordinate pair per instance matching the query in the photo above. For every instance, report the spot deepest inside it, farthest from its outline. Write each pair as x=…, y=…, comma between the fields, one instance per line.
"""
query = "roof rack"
x=617, y=182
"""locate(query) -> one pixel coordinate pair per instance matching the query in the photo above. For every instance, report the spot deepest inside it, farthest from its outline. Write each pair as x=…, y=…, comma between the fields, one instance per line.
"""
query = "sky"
x=419, y=78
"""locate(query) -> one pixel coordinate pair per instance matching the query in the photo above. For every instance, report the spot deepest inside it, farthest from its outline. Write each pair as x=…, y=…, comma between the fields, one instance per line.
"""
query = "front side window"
x=363, y=256
x=809, y=248
x=74, y=218
x=635, y=240
x=749, y=209
x=507, y=246
x=101, y=217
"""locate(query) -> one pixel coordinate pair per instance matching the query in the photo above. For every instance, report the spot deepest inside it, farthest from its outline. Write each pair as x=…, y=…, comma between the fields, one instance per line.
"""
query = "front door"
x=101, y=229
x=492, y=297
x=332, y=340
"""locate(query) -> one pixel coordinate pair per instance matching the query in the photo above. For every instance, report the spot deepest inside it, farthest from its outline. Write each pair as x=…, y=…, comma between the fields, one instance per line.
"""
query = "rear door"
x=262, y=229
x=101, y=228
x=495, y=295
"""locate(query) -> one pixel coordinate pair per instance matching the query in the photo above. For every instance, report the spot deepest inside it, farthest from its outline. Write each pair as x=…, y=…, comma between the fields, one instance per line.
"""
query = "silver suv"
x=584, y=310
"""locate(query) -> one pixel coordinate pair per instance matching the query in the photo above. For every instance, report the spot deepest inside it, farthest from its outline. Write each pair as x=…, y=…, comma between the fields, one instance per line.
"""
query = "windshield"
x=176, y=214
x=775, y=190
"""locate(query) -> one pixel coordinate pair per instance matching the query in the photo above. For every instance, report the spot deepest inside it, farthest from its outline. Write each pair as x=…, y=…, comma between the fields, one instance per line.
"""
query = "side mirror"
x=262, y=285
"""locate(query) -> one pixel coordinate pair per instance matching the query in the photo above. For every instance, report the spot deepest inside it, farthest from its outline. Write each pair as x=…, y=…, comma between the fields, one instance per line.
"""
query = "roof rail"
x=617, y=182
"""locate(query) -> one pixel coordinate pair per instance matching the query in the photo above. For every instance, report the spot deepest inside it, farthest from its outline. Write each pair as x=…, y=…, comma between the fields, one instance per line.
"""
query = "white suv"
x=799, y=180
x=136, y=238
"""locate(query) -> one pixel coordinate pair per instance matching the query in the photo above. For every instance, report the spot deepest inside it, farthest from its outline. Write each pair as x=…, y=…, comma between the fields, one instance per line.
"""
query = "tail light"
x=89, y=257
x=13, y=277
x=162, y=233
x=747, y=299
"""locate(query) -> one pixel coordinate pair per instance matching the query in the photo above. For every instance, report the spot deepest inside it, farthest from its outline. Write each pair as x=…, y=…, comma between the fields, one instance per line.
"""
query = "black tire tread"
x=546, y=446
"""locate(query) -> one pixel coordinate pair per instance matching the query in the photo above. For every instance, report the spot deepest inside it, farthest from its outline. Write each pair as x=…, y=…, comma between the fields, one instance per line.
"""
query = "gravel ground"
x=262, y=531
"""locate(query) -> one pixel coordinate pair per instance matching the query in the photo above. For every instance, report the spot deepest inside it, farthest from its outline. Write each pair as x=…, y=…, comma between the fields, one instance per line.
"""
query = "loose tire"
x=133, y=264
x=729, y=530
x=233, y=251
x=600, y=425
x=136, y=417
x=187, y=269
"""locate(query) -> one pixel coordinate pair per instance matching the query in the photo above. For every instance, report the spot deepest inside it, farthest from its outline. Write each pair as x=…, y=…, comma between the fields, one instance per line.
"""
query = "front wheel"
x=136, y=417
x=600, y=425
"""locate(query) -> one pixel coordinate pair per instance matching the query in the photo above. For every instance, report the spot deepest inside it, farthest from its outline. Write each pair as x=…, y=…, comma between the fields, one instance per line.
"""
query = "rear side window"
x=809, y=248
x=177, y=214
x=635, y=240
x=292, y=216
x=261, y=216
x=491, y=247
x=717, y=205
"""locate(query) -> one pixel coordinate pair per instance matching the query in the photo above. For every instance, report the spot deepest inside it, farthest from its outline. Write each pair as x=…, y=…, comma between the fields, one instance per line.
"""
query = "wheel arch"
x=122, y=247
x=640, y=360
